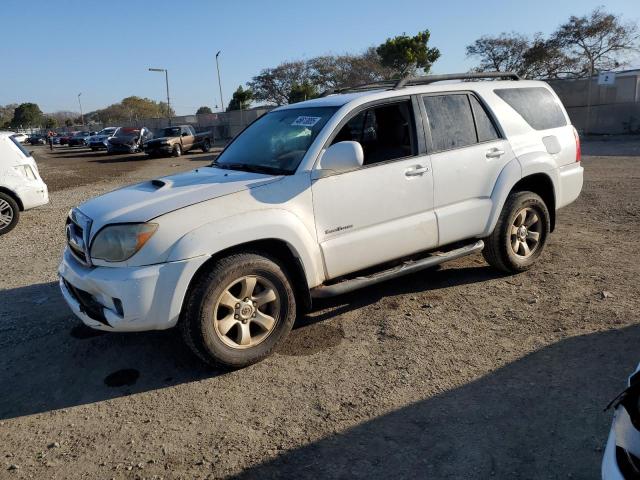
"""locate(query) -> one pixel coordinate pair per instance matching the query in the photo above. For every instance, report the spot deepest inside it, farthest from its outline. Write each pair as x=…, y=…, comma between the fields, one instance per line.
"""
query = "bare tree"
x=504, y=53
x=273, y=85
x=597, y=42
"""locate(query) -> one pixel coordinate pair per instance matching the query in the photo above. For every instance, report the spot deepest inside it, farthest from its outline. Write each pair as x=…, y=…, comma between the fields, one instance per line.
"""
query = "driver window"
x=385, y=132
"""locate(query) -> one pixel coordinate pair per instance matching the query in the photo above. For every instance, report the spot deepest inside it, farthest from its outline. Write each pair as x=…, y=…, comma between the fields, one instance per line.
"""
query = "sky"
x=51, y=51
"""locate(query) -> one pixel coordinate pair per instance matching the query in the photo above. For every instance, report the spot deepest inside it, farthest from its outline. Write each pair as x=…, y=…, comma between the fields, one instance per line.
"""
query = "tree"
x=302, y=92
x=513, y=52
x=27, y=115
x=330, y=72
x=6, y=114
x=203, y=110
x=68, y=123
x=129, y=109
x=241, y=99
x=273, y=85
x=597, y=42
x=404, y=54
x=50, y=122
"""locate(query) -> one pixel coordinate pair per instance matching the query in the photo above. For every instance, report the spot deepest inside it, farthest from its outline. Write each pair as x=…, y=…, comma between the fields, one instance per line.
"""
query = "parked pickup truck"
x=177, y=140
x=319, y=198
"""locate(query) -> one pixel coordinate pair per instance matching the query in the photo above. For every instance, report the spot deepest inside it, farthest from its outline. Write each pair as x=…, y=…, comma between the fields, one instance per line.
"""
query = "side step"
x=325, y=291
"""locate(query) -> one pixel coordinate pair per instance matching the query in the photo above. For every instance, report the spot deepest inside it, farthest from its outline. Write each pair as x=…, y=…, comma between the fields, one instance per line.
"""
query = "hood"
x=98, y=138
x=145, y=201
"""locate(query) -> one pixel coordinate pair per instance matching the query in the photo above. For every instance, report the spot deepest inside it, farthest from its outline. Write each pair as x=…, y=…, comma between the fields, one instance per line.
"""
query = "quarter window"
x=536, y=105
x=450, y=120
x=386, y=132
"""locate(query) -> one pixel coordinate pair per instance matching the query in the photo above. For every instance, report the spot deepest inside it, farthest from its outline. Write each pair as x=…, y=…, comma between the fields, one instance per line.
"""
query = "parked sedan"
x=80, y=139
x=37, y=140
x=20, y=137
x=129, y=140
x=100, y=140
x=65, y=137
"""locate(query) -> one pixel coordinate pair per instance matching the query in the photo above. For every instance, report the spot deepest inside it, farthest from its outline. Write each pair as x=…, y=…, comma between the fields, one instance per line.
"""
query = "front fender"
x=271, y=224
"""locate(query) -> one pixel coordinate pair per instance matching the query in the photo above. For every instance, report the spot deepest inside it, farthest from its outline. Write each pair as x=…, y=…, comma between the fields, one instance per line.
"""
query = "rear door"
x=468, y=152
x=383, y=210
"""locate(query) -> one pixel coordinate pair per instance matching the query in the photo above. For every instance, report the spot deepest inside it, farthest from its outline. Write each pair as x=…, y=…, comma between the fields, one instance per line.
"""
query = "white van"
x=21, y=187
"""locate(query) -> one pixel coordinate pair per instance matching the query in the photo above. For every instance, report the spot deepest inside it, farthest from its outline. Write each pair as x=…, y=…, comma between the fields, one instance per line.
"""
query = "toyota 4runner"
x=321, y=197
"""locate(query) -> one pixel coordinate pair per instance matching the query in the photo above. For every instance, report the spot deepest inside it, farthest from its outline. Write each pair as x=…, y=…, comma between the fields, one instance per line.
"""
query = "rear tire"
x=520, y=233
x=237, y=313
x=206, y=145
x=9, y=213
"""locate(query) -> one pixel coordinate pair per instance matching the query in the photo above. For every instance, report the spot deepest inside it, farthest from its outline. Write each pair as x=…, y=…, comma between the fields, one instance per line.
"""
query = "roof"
x=363, y=96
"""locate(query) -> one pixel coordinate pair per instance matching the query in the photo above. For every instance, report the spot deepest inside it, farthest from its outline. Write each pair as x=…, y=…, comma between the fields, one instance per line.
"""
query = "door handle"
x=495, y=153
x=416, y=170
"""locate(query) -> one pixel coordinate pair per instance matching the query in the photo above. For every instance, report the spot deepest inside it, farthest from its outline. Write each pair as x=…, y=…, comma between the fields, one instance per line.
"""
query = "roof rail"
x=407, y=81
x=425, y=80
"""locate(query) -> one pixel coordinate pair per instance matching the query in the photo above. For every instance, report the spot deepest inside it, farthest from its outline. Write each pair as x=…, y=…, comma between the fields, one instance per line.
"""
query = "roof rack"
x=425, y=80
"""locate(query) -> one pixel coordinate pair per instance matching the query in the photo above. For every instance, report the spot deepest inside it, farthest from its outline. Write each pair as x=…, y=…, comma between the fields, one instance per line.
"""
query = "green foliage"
x=6, y=114
x=50, y=122
x=129, y=109
x=302, y=92
x=203, y=110
x=241, y=99
x=404, y=54
x=68, y=122
x=27, y=115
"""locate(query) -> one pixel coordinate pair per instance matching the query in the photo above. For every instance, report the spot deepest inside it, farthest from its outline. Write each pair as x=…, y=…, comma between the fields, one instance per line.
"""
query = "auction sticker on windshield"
x=304, y=121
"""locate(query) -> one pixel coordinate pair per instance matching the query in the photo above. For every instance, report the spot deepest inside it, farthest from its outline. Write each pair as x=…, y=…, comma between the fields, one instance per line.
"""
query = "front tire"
x=239, y=311
x=177, y=151
x=9, y=213
x=520, y=233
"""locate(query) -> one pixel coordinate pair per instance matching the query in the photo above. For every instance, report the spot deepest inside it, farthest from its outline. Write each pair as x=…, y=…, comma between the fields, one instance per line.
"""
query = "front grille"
x=78, y=227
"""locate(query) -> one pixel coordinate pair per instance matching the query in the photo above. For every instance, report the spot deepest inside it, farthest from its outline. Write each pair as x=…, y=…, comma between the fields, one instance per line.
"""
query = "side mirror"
x=341, y=157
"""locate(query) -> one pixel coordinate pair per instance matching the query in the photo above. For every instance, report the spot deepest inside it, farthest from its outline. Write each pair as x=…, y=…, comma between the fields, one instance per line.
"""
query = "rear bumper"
x=570, y=179
x=34, y=195
x=127, y=299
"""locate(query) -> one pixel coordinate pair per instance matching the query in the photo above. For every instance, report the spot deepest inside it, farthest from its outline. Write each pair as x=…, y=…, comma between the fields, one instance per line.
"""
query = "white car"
x=21, y=187
x=321, y=197
x=621, y=459
x=21, y=137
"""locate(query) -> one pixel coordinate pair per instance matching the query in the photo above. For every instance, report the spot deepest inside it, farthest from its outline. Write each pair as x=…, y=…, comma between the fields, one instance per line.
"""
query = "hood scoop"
x=159, y=183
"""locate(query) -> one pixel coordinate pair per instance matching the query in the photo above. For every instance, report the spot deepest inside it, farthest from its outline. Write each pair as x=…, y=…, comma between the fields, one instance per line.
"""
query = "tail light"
x=578, y=150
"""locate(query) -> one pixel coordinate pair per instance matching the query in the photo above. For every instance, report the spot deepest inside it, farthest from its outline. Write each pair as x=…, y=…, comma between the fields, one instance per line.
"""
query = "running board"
x=410, y=266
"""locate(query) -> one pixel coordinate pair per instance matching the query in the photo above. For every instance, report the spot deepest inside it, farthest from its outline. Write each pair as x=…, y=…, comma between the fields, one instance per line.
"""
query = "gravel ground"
x=453, y=373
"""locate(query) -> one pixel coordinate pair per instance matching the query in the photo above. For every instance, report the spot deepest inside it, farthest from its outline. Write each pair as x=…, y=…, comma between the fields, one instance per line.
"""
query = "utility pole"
x=219, y=84
x=166, y=78
x=81, y=115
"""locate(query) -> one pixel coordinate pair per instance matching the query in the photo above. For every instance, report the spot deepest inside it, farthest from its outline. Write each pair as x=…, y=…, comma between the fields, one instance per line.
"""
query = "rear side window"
x=450, y=120
x=24, y=151
x=536, y=105
x=485, y=127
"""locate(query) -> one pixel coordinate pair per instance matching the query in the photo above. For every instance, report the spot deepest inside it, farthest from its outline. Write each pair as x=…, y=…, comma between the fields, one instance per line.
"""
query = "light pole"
x=81, y=115
x=219, y=84
x=166, y=77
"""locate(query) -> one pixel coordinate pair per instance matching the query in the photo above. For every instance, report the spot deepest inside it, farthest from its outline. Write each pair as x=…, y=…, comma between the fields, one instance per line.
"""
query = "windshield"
x=170, y=132
x=276, y=141
x=81, y=134
x=107, y=131
x=25, y=152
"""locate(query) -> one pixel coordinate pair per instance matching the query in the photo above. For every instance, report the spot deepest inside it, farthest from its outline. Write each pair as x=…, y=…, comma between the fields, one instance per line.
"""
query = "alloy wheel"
x=6, y=214
x=525, y=232
x=246, y=312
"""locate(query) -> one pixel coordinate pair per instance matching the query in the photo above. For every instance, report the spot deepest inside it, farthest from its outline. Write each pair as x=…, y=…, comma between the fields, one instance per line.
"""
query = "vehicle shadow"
x=540, y=416
x=52, y=361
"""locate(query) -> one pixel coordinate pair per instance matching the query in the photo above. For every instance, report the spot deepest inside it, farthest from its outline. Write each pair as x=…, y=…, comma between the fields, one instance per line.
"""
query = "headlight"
x=117, y=243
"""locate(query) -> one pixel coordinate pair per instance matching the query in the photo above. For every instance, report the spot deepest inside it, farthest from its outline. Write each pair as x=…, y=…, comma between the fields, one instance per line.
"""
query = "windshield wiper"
x=248, y=167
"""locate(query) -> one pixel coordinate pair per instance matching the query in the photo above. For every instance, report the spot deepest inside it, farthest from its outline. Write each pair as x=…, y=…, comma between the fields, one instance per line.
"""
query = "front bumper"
x=121, y=148
x=158, y=149
x=98, y=144
x=127, y=299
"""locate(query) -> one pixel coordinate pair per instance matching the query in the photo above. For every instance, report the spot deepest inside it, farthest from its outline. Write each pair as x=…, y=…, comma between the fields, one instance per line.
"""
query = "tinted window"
x=450, y=120
x=484, y=126
x=536, y=105
x=385, y=132
x=17, y=143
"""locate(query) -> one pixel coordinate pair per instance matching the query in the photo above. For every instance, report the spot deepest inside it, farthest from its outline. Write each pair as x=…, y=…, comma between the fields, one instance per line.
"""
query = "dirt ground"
x=455, y=373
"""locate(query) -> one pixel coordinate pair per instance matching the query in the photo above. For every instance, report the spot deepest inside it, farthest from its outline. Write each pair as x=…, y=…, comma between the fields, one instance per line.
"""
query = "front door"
x=383, y=210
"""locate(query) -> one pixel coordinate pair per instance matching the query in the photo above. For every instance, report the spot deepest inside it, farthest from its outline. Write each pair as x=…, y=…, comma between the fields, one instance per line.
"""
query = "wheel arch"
x=542, y=185
x=275, y=248
x=13, y=195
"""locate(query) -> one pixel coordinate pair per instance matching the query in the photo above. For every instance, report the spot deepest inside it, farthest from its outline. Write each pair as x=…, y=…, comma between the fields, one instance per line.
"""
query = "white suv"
x=321, y=197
